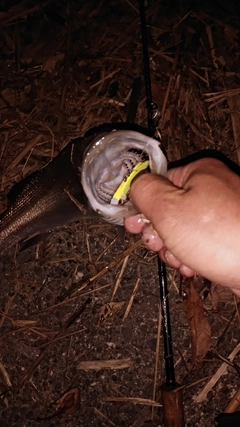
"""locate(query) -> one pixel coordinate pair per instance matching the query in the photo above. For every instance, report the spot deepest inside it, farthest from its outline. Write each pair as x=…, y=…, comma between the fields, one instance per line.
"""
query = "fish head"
x=109, y=164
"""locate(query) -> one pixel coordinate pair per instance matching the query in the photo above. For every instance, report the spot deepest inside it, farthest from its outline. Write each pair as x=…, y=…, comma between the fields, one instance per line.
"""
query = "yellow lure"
x=121, y=194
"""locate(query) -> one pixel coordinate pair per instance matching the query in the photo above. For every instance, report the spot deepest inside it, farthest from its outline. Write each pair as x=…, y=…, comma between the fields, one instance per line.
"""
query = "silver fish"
x=77, y=184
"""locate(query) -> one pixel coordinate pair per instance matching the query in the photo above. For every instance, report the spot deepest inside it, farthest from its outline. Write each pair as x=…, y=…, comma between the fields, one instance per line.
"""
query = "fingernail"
x=142, y=219
x=149, y=235
x=167, y=255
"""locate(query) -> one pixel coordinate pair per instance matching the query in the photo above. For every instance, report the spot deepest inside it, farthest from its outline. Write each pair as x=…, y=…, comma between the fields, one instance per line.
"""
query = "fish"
x=79, y=183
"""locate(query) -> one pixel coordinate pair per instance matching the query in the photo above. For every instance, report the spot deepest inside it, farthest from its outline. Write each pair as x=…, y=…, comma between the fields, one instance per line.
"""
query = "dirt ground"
x=83, y=294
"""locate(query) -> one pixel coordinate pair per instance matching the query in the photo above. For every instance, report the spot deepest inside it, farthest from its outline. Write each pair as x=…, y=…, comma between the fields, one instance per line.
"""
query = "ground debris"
x=64, y=68
x=200, y=328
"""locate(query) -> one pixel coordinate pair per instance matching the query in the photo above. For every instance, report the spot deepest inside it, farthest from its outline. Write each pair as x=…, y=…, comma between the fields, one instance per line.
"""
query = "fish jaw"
x=103, y=163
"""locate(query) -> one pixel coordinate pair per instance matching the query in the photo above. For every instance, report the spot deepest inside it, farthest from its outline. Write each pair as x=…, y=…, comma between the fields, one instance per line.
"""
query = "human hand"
x=194, y=217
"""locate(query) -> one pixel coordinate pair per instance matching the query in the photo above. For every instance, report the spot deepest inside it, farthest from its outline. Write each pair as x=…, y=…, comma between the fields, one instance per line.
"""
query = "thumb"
x=157, y=198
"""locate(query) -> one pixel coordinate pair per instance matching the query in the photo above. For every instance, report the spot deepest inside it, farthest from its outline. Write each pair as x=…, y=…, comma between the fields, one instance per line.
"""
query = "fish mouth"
x=112, y=159
x=123, y=165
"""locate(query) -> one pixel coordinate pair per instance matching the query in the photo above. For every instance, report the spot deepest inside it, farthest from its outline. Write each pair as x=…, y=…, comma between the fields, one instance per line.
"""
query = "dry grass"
x=66, y=68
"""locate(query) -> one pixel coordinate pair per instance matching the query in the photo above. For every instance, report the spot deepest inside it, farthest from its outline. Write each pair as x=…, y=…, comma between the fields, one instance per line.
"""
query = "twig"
x=211, y=45
x=22, y=14
x=75, y=201
x=157, y=358
x=234, y=403
x=165, y=101
x=15, y=114
x=65, y=80
x=194, y=129
x=104, y=417
x=134, y=400
x=212, y=96
x=112, y=264
x=124, y=264
x=97, y=365
x=192, y=384
x=234, y=105
x=200, y=77
x=221, y=371
x=103, y=79
x=52, y=307
x=107, y=248
x=66, y=325
x=132, y=6
x=5, y=374
x=135, y=289
x=70, y=334
x=21, y=155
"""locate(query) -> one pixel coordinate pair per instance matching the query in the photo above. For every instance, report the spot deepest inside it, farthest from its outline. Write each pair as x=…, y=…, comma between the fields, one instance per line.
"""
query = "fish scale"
x=43, y=205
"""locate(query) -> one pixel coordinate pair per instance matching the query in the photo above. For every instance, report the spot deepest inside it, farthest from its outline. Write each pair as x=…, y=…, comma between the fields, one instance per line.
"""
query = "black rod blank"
x=173, y=413
x=166, y=324
x=150, y=104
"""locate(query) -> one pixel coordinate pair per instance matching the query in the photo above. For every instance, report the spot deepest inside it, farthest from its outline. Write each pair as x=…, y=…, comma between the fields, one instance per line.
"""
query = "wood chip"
x=98, y=365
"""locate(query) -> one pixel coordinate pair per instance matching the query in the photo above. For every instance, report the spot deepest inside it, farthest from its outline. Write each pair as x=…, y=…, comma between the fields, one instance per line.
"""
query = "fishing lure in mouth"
x=122, y=194
x=110, y=163
x=89, y=178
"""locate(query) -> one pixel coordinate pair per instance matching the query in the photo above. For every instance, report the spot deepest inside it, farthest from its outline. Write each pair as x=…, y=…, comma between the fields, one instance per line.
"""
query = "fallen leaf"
x=199, y=326
x=50, y=63
x=108, y=310
x=200, y=283
x=220, y=294
x=9, y=95
x=69, y=402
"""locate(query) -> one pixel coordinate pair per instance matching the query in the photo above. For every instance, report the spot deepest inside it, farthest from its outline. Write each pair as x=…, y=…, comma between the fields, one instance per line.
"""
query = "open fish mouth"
x=112, y=159
x=122, y=167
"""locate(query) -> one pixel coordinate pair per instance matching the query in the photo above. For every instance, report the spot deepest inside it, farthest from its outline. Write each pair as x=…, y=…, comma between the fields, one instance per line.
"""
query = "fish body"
x=65, y=189
x=40, y=202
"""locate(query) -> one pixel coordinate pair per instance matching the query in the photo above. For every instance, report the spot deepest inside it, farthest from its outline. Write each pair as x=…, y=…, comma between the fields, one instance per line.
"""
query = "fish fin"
x=32, y=241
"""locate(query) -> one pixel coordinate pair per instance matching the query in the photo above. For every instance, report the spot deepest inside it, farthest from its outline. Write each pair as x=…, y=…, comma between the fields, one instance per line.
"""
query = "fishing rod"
x=172, y=400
